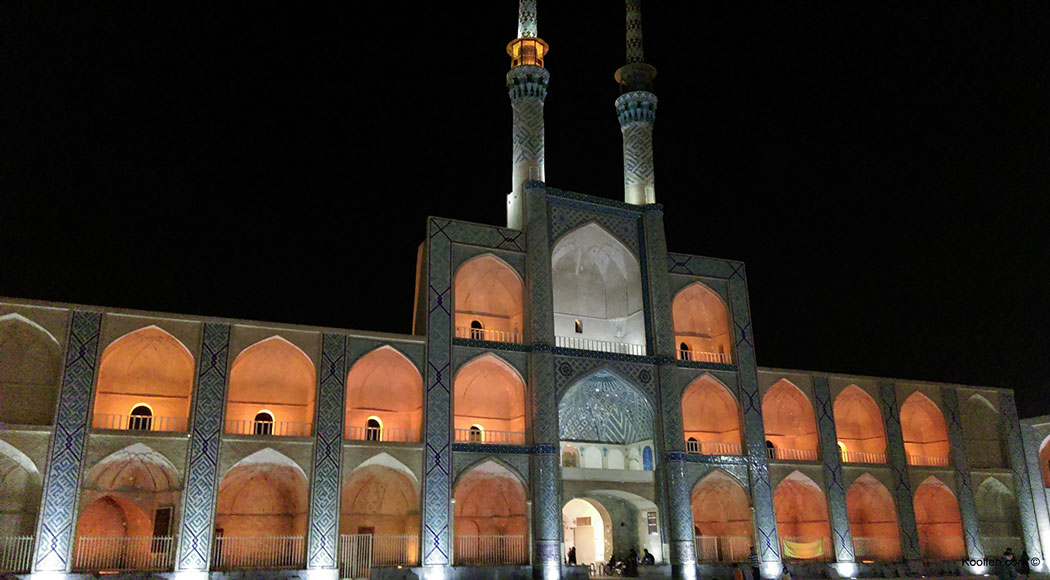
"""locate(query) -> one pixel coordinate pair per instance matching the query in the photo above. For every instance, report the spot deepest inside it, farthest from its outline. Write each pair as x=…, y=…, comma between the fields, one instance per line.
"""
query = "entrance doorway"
x=585, y=530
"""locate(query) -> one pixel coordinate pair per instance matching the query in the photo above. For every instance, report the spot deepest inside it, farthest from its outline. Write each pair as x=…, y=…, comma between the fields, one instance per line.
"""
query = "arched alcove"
x=602, y=407
x=938, y=521
x=381, y=499
x=570, y=457
x=858, y=425
x=274, y=376
x=488, y=298
x=873, y=520
x=790, y=426
x=925, y=433
x=701, y=323
x=981, y=433
x=20, y=487
x=144, y=369
x=802, y=519
x=585, y=524
x=491, y=516
x=1044, y=461
x=711, y=417
x=488, y=392
x=997, y=510
x=597, y=283
x=30, y=367
x=386, y=387
x=721, y=518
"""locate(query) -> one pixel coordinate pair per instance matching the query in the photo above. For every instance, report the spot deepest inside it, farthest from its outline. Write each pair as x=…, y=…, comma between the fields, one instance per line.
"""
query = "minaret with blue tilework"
x=636, y=110
x=527, y=87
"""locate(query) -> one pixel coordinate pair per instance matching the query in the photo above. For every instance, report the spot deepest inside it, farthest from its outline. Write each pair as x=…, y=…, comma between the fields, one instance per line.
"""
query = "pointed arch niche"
x=939, y=521
x=873, y=520
x=381, y=498
x=791, y=428
x=997, y=515
x=490, y=517
x=710, y=418
x=597, y=293
x=924, y=430
x=488, y=299
x=802, y=519
x=489, y=398
x=859, y=427
x=146, y=368
x=721, y=519
x=272, y=389
x=982, y=433
x=609, y=420
x=385, y=387
x=20, y=488
x=30, y=367
x=701, y=325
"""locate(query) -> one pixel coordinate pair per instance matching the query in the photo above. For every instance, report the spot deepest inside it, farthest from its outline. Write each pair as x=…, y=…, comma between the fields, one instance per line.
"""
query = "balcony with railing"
x=722, y=548
x=139, y=423
x=491, y=437
x=124, y=554
x=269, y=428
x=862, y=457
x=16, y=554
x=787, y=454
x=358, y=553
x=803, y=548
x=712, y=448
x=488, y=334
x=490, y=550
x=382, y=434
x=258, y=552
x=928, y=460
x=580, y=343
x=701, y=356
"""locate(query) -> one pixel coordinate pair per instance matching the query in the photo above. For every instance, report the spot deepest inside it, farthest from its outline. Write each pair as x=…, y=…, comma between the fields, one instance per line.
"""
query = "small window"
x=263, y=423
x=684, y=348
x=373, y=430
x=161, y=530
x=651, y=520
x=475, y=434
x=477, y=331
x=579, y=326
x=141, y=418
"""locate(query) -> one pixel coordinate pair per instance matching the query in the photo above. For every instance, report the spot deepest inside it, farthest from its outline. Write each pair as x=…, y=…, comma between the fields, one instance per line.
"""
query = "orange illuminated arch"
x=939, y=521
x=386, y=386
x=276, y=376
x=489, y=392
x=787, y=417
x=1044, y=461
x=30, y=367
x=147, y=367
x=262, y=495
x=381, y=497
x=858, y=425
x=488, y=298
x=710, y=415
x=873, y=520
x=701, y=322
x=802, y=518
x=924, y=430
x=721, y=512
x=490, y=500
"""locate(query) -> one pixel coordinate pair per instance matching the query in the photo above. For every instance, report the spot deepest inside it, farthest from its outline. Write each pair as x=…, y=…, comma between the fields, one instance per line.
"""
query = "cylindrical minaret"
x=527, y=86
x=636, y=109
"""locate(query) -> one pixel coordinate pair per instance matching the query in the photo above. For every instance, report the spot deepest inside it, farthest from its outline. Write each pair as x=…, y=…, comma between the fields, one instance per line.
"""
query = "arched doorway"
x=30, y=367
x=721, y=518
x=585, y=530
x=489, y=402
x=380, y=499
x=488, y=297
x=701, y=325
x=925, y=433
x=858, y=425
x=939, y=521
x=710, y=418
x=275, y=377
x=384, y=387
x=802, y=519
x=491, y=517
x=787, y=417
x=873, y=520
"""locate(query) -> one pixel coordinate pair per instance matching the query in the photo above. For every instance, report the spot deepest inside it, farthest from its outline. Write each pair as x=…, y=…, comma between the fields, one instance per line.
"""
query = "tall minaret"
x=636, y=109
x=527, y=86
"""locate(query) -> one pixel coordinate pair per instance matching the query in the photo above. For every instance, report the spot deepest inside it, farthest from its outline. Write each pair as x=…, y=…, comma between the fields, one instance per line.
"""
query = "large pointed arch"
x=597, y=288
x=802, y=518
x=873, y=520
x=490, y=516
x=275, y=377
x=859, y=427
x=20, y=487
x=489, y=402
x=30, y=368
x=787, y=416
x=710, y=418
x=385, y=386
x=380, y=497
x=997, y=511
x=602, y=406
x=488, y=300
x=721, y=518
x=701, y=325
x=938, y=521
x=981, y=426
x=924, y=430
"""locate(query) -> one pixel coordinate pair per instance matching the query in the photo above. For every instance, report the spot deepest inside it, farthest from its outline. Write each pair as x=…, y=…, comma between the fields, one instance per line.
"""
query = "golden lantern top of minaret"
x=527, y=49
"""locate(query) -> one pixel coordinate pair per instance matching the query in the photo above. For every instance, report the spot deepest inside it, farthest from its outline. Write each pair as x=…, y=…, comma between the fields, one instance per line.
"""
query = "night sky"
x=882, y=167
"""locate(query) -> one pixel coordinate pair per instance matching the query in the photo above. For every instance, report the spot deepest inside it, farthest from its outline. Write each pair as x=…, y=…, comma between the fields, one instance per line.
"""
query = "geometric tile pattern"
x=680, y=513
x=572, y=370
x=604, y=408
x=898, y=461
x=634, y=32
x=516, y=463
x=527, y=25
x=198, y=499
x=662, y=333
x=833, y=481
x=527, y=88
x=637, y=113
x=967, y=507
x=566, y=216
x=1018, y=465
x=54, y=541
x=324, y=488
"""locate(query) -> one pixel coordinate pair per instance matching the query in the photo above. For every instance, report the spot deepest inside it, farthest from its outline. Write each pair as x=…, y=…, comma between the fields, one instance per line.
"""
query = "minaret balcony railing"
x=807, y=548
x=862, y=457
x=259, y=552
x=928, y=460
x=490, y=550
x=599, y=345
x=490, y=437
x=139, y=423
x=269, y=428
x=722, y=548
x=123, y=554
x=488, y=334
x=792, y=454
x=701, y=356
x=382, y=434
x=16, y=554
x=712, y=448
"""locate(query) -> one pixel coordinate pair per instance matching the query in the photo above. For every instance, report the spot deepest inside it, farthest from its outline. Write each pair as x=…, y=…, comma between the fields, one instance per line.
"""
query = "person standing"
x=572, y=556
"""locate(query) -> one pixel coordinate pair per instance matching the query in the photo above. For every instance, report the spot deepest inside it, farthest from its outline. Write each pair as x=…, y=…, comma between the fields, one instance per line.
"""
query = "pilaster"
x=964, y=486
x=323, y=535
x=898, y=458
x=833, y=471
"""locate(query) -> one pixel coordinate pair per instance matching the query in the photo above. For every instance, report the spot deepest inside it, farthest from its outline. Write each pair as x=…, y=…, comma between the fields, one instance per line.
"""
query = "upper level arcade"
x=488, y=297
x=272, y=389
x=701, y=325
x=384, y=398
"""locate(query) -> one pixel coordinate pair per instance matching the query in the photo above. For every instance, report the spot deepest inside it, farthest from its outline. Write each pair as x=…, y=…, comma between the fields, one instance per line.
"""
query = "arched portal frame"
x=859, y=427
x=789, y=422
x=597, y=286
x=489, y=398
x=873, y=520
x=701, y=325
x=30, y=369
x=20, y=488
x=938, y=521
x=710, y=418
x=490, y=515
x=721, y=518
x=587, y=527
x=380, y=498
x=487, y=293
x=276, y=376
x=924, y=430
x=802, y=519
x=982, y=433
x=386, y=386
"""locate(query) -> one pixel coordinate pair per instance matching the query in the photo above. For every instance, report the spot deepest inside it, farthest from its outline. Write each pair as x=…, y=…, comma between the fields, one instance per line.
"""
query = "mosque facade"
x=569, y=384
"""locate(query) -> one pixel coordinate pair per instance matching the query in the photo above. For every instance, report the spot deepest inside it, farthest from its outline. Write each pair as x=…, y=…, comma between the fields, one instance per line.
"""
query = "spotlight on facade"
x=846, y=569
x=771, y=570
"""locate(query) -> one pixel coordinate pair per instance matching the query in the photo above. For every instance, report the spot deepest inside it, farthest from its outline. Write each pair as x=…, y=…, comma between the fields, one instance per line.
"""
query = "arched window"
x=788, y=419
x=711, y=418
x=141, y=418
x=701, y=324
x=476, y=434
x=373, y=430
x=277, y=376
x=477, y=331
x=384, y=385
x=683, y=351
x=924, y=430
x=858, y=424
x=263, y=423
x=570, y=457
x=578, y=326
x=488, y=300
x=489, y=394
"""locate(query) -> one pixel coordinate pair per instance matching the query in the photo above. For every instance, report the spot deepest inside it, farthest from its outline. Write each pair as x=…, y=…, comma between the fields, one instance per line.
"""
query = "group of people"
x=625, y=567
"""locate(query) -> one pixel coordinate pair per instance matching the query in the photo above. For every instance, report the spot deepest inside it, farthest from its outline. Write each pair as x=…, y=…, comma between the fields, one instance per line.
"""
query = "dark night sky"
x=881, y=167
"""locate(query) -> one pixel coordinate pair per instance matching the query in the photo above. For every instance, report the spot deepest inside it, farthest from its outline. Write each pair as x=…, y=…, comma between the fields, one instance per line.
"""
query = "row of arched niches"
x=135, y=465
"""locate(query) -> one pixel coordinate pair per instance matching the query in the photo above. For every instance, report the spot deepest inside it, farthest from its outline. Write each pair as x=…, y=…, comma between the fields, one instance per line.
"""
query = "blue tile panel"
x=964, y=487
x=202, y=477
x=1019, y=468
x=833, y=480
x=57, y=521
x=323, y=535
x=902, y=493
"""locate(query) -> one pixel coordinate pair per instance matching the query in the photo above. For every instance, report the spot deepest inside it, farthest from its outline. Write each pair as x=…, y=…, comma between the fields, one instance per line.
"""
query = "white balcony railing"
x=16, y=554
x=599, y=345
x=489, y=335
x=136, y=554
x=876, y=548
x=258, y=552
x=358, y=553
x=490, y=550
x=139, y=423
x=382, y=434
x=792, y=454
x=701, y=356
x=712, y=448
x=928, y=460
x=276, y=428
x=862, y=457
x=722, y=548
x=491, y=437
x=813, y=548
